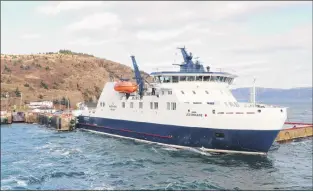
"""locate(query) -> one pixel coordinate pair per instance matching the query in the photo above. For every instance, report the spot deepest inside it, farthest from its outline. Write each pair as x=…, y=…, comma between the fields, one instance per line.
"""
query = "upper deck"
x=190, y=71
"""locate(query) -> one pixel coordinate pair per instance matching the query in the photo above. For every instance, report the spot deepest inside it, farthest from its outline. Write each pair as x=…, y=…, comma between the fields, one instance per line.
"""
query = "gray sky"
x=269, y=40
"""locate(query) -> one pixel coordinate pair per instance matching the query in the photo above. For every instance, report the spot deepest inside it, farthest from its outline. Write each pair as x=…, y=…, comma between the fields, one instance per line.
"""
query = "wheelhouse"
x=181, y=77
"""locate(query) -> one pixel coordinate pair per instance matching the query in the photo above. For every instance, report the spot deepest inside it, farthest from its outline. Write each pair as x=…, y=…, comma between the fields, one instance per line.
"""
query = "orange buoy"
x=125, y=87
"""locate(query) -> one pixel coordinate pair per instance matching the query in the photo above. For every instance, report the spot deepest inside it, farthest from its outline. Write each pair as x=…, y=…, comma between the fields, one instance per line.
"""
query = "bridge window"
x=167, y=79
x=190, y=78
x=151, y=105
x=161, y=79
x=103, y=104
x=182, y=78
x=140, y=105
x=175, y=79
x=224, y=79
x=156, y=105
x=168, y=105
x=214, y=78
x=231, y=104
x=123, y=104
x=156, y=79
x=131, y=105
x=206, y=78
x=199, y=78
x=170, y=92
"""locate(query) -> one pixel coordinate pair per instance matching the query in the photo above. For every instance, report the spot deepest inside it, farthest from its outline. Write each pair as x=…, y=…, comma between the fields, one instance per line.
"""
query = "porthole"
x=219, y=135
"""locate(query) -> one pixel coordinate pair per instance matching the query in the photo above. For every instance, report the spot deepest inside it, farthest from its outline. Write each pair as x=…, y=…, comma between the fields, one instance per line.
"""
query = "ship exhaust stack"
x=138, y=77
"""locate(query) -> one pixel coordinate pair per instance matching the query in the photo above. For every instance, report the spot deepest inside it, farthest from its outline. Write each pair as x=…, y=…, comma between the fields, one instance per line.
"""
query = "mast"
x=189, y=65
x=252, y=94
x=138, y=77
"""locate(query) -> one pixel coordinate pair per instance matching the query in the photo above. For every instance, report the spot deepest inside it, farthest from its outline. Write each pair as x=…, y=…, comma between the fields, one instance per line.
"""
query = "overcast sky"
x=269, y=40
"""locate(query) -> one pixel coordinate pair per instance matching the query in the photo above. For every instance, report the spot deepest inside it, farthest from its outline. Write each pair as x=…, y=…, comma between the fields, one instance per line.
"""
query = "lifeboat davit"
x=125, y=87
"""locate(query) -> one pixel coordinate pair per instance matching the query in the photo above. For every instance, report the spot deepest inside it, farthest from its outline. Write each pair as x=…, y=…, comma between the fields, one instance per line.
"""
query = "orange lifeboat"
x=125, y=87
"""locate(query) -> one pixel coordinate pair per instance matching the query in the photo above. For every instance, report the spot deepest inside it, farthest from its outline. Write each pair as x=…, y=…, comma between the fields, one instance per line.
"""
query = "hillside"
x=269, y=94
x=50, y=76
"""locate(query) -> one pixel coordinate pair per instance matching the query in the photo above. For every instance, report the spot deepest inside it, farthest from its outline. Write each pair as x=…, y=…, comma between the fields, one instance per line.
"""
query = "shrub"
x=17, y=92
x=6, y=68
x=44, y=85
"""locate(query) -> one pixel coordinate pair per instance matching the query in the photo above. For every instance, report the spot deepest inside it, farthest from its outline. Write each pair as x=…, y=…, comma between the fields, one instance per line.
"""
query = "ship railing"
x=248, y=105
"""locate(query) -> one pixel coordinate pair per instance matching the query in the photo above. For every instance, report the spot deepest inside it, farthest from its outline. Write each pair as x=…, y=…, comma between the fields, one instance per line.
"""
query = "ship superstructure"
x=192, y=107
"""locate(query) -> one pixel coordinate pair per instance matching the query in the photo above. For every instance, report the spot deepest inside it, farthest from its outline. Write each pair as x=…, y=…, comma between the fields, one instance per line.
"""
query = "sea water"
x=34, y=157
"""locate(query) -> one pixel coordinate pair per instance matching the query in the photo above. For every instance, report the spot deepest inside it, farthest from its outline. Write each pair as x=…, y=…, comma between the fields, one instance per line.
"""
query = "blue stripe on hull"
x=236, y=140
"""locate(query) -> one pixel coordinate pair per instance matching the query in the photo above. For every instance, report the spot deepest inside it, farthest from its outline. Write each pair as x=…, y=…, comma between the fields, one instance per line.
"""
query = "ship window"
x=182, y=92
x=197, y=102
x=168, y=105
x=140, y=105
x=226, y=104
x=206, y=92
x=182, y=78
x=173, y=106
x=218, y=78
x=224, y=79
x=156, y=105
x=151, y=105
x=175, y=79
x=123, y=104
x=131, y=105
x=213, y=78
x=199, y=78
x=193, y=92
x=231, y=104
x=100, y=104
x=190, y=78
x=162, y=92
x=103, y=104
x=167, y=79
x=210, y=103
x=206, y=78
x=170, y=92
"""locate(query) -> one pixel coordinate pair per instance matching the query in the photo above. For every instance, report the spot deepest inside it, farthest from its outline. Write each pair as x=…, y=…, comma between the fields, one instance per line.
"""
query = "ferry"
x=192, y=107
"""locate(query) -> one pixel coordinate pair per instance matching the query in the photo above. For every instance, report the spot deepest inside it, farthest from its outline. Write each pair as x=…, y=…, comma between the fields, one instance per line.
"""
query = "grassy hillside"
x=48, y=76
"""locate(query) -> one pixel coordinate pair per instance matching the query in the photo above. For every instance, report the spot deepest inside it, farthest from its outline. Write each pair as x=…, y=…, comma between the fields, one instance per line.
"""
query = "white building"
x=38, y=104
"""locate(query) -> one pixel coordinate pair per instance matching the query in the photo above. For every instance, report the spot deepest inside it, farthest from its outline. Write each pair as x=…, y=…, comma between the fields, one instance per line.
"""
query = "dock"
x=298, y=131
